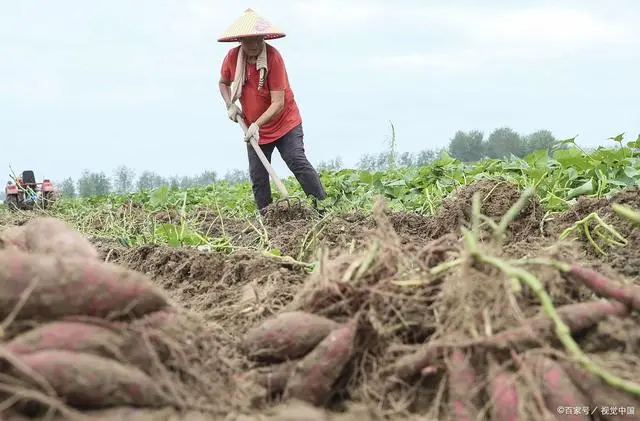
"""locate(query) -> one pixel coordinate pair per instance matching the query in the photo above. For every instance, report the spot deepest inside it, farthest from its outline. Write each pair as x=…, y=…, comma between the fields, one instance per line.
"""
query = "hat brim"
x=238, y=38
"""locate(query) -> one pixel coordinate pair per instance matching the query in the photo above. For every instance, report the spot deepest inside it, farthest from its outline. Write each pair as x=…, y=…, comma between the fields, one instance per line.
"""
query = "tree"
x=236, y=176
x=150, y=180
x=426, y=157
x=205, y=179
x=174, y=182
x=406, y=159
x=123, y=179
x=68, y=188
x=333, y=164
x=541, y=139
x=93, y=184
x=468, y=146
x=367, y=162
x=505, y=141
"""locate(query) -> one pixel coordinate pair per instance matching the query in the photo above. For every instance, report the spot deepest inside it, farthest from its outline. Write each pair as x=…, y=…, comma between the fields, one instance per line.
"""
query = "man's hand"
x=253, y=131
x=233, y=112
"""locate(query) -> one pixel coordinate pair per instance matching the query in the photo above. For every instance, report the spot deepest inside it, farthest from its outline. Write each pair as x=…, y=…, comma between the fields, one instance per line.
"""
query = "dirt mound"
x=437, y=315
x=623, y=257
x=297, y=238
x=496, y=198
x=411, y=226
x=285, y=211
x=12, y=219
x=214, y=284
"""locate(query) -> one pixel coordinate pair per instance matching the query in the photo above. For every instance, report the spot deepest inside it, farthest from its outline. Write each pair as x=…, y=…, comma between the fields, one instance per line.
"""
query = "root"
x=610, y=235
x=561, y=329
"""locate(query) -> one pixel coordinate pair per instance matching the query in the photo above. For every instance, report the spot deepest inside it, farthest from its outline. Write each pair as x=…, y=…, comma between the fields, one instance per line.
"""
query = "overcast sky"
x=96, y=84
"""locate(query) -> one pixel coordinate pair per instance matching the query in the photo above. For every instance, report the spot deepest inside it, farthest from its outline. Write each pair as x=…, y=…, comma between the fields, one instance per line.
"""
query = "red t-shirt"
x=254, y=103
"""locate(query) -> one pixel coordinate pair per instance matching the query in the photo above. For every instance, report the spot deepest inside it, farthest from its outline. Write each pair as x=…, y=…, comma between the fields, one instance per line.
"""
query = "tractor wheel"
x=12, y=203
x=47, y=200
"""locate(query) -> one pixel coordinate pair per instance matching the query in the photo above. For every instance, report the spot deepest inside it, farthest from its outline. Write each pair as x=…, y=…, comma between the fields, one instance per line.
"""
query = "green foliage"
x=560, y=172
x=559, y=176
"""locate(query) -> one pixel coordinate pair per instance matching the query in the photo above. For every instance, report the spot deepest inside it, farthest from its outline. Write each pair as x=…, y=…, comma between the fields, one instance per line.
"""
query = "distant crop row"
x=559, y=177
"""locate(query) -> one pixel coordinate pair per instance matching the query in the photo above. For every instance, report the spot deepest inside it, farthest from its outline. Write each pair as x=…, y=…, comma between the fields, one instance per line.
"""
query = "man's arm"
x=225, y=91
x=277, y=105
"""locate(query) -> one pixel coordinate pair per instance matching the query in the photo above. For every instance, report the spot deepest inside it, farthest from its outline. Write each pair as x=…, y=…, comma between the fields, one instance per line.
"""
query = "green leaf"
x=275, y=252
x=586, y=188
x=617, y=138
x=632, y=172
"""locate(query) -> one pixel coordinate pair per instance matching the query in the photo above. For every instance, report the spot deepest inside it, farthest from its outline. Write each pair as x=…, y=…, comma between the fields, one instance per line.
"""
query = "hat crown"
x=251, y=24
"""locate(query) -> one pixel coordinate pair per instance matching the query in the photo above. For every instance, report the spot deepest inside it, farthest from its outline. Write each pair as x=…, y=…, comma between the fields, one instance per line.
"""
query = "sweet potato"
x=273, y=378
x=462, y=384
x=70, y=336
x=558, y=391
x=155, y=320
x=88, y=381
x=54, y=236
x=65, y=286
x=602, y=395
x=313, y=377
x=92, y=336
x=503, y=392
x=289, y=335
x=577, y=317
x=13, y=237
x=605, y=287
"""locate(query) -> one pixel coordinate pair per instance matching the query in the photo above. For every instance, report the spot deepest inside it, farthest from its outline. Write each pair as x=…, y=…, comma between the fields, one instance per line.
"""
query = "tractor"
x=24, y=193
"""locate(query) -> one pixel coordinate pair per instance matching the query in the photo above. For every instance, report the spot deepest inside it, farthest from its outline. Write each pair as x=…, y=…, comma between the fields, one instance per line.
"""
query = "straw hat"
x=250, y=24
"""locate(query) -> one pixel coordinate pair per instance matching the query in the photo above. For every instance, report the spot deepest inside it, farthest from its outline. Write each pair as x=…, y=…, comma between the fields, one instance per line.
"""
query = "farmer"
x=254, y=73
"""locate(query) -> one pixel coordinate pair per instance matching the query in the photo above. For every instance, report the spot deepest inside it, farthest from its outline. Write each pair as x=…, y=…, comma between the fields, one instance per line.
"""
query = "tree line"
x=466, y=146
x=124, y=180
x=469, y=146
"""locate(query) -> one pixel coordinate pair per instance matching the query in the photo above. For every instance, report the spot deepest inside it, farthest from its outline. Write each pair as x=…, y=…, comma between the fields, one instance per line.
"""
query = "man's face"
x=252, y=46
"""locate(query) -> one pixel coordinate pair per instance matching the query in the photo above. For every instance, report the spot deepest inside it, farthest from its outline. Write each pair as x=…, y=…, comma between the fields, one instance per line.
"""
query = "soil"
x=230, y=292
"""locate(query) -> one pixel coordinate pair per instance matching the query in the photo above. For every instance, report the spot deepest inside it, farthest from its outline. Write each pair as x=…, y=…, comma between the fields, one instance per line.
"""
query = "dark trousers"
x=291, y=148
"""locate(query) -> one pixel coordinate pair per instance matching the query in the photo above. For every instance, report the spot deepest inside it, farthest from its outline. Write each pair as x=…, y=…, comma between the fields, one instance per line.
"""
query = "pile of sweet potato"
x=305, y=354
x=507, y=374
x=67, y=324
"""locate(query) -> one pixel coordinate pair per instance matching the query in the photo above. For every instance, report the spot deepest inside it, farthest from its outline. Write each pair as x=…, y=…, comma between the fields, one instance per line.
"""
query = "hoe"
x=267, y=165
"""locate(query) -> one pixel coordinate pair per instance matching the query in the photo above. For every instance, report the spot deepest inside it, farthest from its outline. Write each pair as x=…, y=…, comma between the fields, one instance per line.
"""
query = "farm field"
x=446, y=292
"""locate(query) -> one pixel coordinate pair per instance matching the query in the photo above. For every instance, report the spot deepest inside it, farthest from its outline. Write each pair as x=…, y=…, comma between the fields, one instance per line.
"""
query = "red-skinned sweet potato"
x=54, y=236
x=605, y=287
x=65, y=286
x=577, y=317
x=603, y=395
x=88, y=381
x=462, y=386
x=287, y=336
x=558, y=390
x=313, y=377
x=503, y=392
x=70, y=336
x=273, y=378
